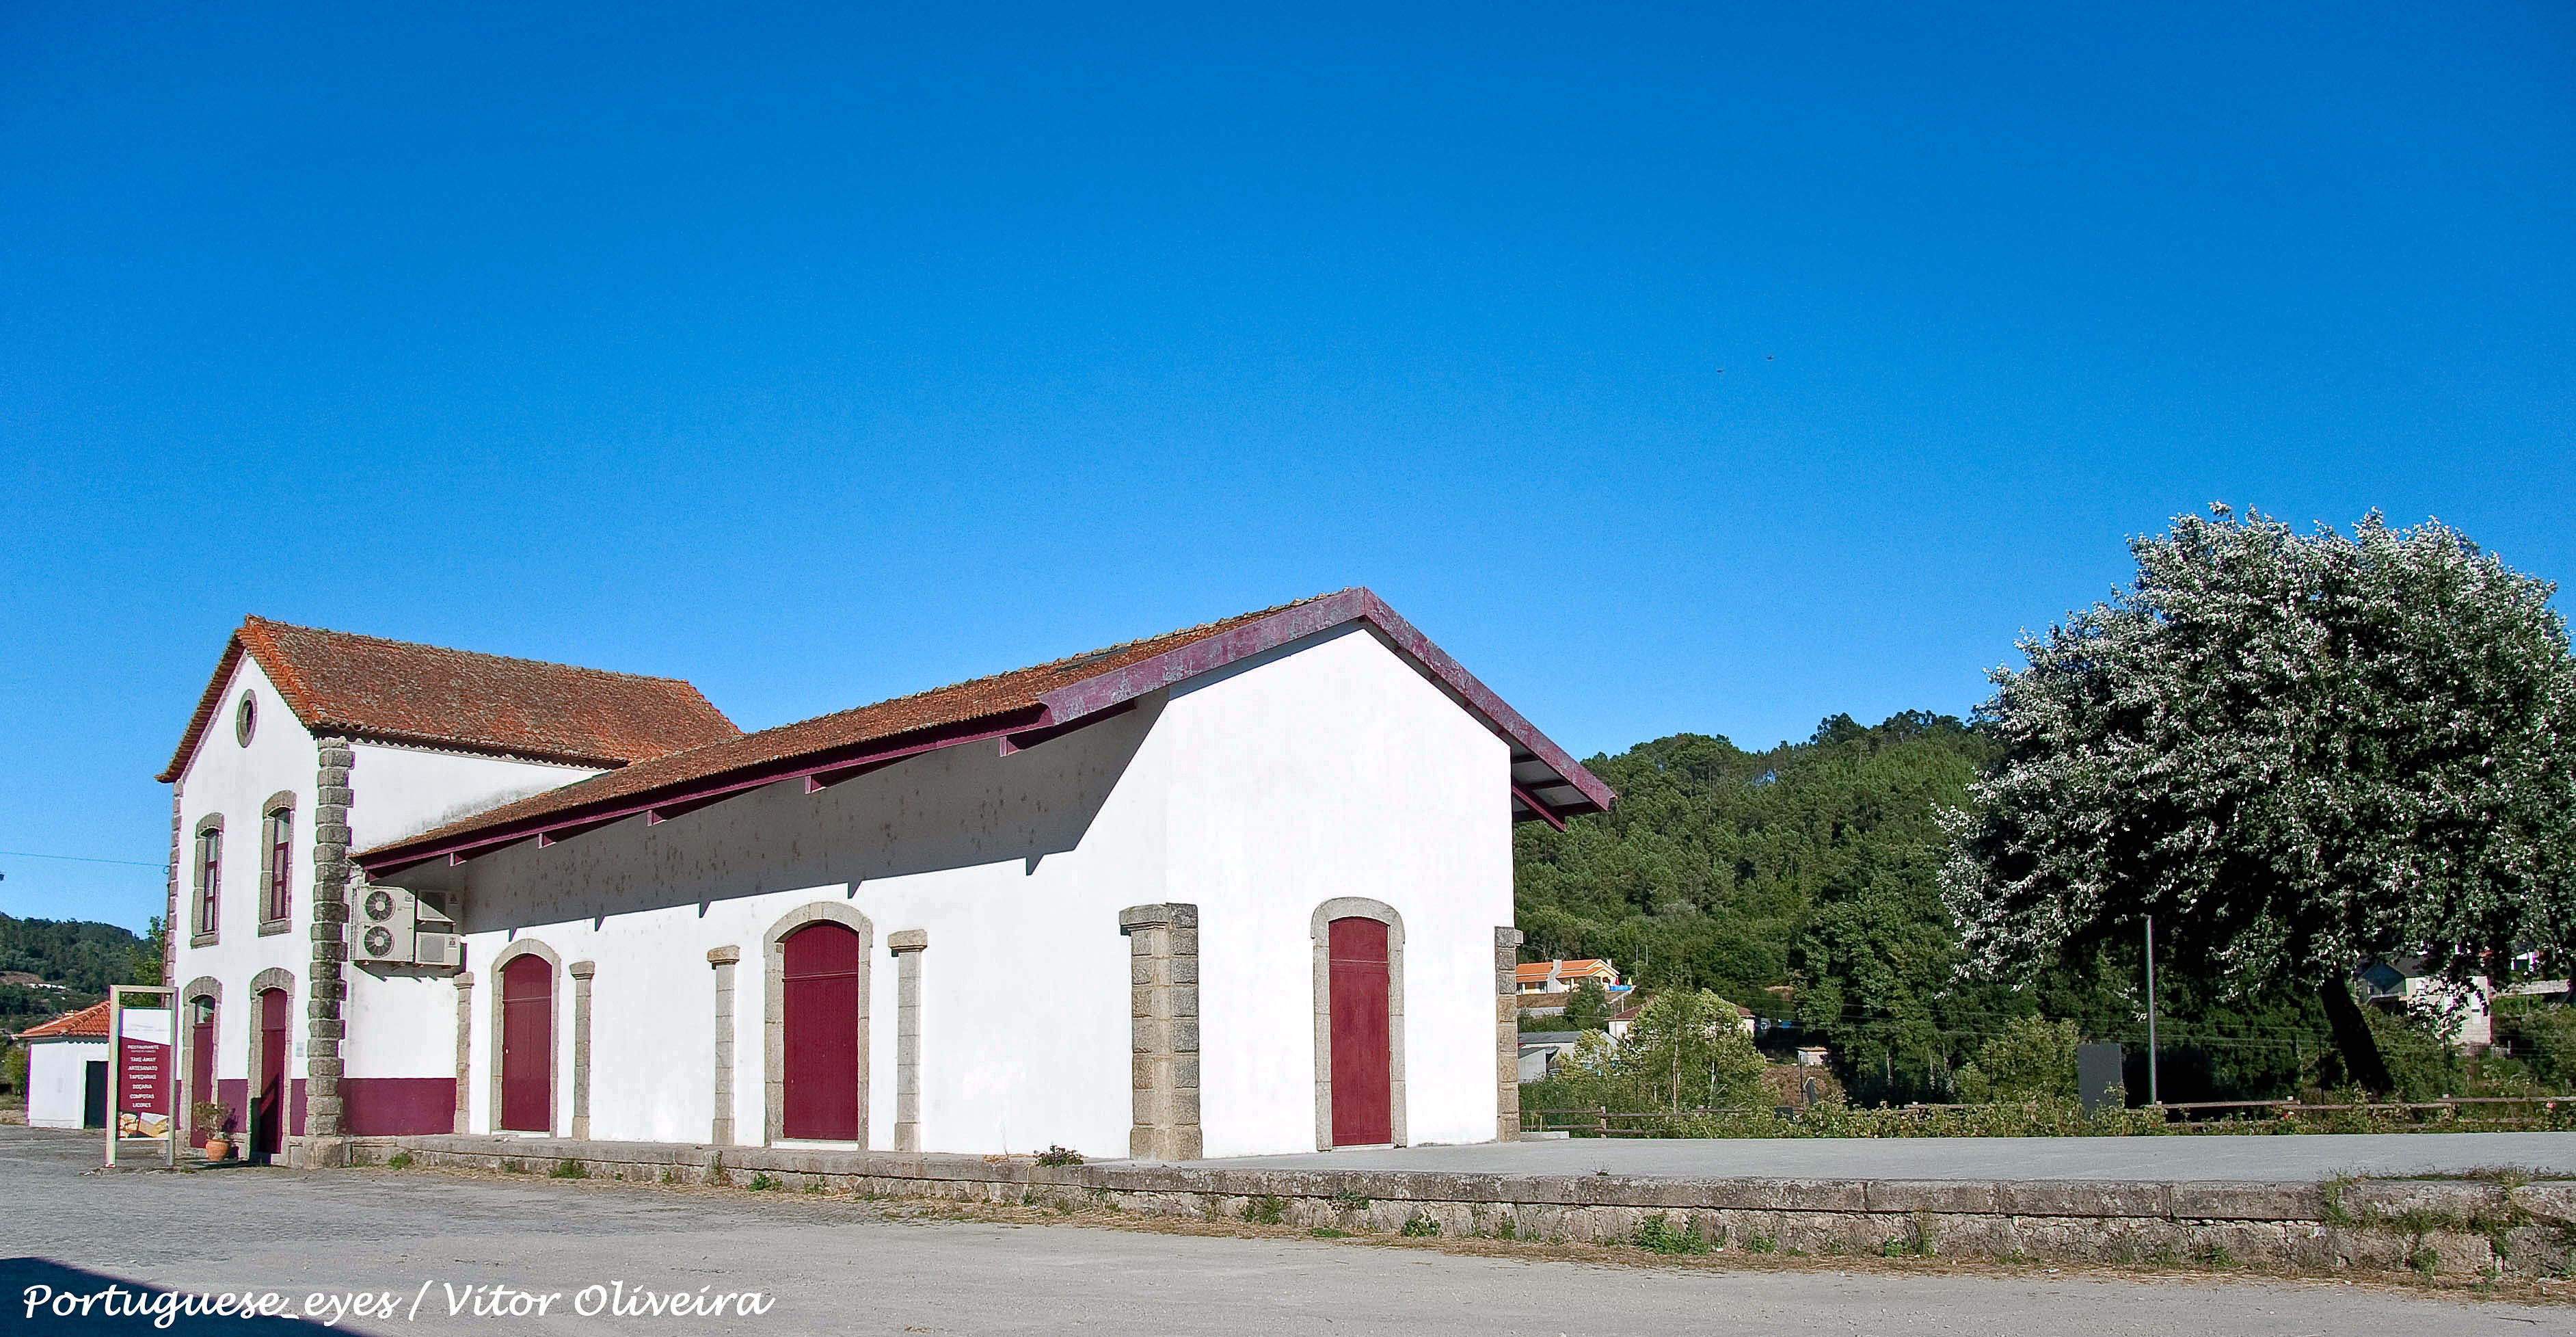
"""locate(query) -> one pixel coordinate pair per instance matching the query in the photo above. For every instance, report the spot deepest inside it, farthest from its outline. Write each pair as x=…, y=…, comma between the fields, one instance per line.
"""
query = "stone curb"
x=2441, y=1227
x=2135, y=1200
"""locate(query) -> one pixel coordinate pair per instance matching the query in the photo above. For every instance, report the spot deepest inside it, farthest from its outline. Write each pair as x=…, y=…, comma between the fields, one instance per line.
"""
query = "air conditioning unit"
x=382, y=934
x=395, y=927
x=434, y=939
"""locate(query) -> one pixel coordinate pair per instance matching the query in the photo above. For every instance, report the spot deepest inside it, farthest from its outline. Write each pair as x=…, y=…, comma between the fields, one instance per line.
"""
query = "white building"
x=67, y=1070
x=1237, y=889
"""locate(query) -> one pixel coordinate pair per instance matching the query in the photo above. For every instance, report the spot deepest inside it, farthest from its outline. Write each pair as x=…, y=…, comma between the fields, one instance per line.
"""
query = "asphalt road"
x=840, y=1266
x=2304, y=1158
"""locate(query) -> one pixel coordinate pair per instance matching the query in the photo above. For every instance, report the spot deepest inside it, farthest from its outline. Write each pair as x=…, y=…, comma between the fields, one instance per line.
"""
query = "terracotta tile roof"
x=396, y=691
x=1050, y=695
x=87, y=1024
x=994, y=698
x=1539, y=970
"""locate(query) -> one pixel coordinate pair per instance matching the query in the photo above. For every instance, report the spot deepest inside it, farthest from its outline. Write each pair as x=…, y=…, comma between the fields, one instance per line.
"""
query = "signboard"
x=143, y=1067
x=141, y=1070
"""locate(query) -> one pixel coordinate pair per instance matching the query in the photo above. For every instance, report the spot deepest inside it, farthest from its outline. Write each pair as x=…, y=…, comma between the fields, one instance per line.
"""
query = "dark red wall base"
x=393, y=1106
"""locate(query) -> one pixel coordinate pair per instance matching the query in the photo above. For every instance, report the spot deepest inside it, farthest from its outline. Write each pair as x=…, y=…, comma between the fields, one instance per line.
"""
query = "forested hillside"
x=1802, y=882
x=83, y=957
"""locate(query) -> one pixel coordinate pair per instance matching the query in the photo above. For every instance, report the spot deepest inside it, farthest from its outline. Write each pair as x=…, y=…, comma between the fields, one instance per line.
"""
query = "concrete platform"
x=2295, y=1159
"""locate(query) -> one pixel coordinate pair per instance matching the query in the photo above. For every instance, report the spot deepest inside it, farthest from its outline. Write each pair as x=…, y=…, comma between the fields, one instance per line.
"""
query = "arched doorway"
x=819, y=1012
x=201, y=1061
x=268, y=1085
x=527, y=1044
x=1363, y=1069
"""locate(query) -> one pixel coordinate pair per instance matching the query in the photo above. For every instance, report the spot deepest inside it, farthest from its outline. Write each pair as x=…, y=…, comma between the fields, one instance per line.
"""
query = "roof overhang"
x=1546, y=784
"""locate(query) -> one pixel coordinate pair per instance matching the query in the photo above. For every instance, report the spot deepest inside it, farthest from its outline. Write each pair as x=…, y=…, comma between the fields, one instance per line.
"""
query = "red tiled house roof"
x=90, y=1023
x=396, y=691
x=1019, y=707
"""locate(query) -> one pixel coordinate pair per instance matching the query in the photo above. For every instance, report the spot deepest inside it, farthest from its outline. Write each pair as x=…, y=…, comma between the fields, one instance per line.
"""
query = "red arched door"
x=268, y=1085
x=528, y=1044
x=201, y=1061
x=821, y=1021
x=1363, y=1077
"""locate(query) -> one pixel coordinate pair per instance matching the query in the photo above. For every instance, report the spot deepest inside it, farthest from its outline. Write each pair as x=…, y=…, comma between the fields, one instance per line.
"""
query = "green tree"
x=2296, y=752
x=1589, y=1009
x=1686, y=1050
x=2033, y=1059
x=143, y=964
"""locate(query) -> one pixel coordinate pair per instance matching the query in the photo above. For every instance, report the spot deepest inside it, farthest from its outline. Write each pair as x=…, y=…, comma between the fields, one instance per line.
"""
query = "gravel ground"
x=841, y=1266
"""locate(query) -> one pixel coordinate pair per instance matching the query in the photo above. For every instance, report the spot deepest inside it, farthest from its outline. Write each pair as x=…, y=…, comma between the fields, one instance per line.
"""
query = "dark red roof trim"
x=1562, y=788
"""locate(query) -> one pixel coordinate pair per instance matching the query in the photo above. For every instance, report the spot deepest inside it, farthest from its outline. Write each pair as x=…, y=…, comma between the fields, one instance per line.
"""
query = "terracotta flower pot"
x=218, y=1149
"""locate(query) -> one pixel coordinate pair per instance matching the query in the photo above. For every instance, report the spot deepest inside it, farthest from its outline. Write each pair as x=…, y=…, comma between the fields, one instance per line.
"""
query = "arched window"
x=278, y=874
x=210, y=874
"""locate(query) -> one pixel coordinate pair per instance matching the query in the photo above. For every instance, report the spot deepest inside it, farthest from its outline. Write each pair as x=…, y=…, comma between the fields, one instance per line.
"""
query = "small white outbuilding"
x=67, y=1070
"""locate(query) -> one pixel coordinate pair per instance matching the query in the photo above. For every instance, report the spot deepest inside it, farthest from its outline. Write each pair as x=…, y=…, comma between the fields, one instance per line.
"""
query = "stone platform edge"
x=2455, y=1228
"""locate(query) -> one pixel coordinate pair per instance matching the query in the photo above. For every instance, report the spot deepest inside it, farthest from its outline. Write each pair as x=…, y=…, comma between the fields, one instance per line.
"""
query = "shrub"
x=1657, y=1234
x=2034, y=1059
x=2545, y=1038
x=1055, y=1155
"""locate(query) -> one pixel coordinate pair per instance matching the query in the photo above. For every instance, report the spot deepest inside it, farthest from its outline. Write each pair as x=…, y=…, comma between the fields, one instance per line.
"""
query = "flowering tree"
x=2296, y=752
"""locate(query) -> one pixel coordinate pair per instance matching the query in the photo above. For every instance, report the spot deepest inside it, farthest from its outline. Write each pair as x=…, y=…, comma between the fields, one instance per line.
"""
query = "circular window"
x=245, y=719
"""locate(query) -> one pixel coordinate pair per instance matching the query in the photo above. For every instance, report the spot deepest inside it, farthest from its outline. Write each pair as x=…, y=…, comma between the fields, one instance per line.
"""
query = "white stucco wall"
x=403, y=1024
x=403, y=791
x=1337, y=770
x=225, y=777
x=1326, y=769
x=1016, y=868
x=392, y=1022
x=57, y=1080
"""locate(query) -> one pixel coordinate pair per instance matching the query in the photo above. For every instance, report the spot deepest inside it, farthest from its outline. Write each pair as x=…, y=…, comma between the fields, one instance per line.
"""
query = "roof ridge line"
x=248, y=618
x=1077, y=656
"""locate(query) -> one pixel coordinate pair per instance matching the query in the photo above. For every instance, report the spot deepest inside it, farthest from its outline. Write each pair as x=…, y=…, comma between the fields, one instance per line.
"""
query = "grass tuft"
x=1658, y=1234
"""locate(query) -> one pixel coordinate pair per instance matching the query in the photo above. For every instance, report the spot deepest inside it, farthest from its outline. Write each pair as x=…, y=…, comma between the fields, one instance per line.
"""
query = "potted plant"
x=208, y=1114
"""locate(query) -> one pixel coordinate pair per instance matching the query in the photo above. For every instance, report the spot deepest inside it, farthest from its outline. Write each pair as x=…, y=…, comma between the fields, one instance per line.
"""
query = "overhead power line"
x=78, y=858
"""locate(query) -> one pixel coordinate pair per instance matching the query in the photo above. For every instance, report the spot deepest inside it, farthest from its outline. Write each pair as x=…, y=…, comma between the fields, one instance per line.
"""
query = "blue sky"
x=1700, y=369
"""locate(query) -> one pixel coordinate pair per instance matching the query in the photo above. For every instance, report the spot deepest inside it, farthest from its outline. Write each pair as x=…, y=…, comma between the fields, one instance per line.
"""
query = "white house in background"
x=1542, y=978
x=1236, y=889
x=2403, y=984
x=67, y=1070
